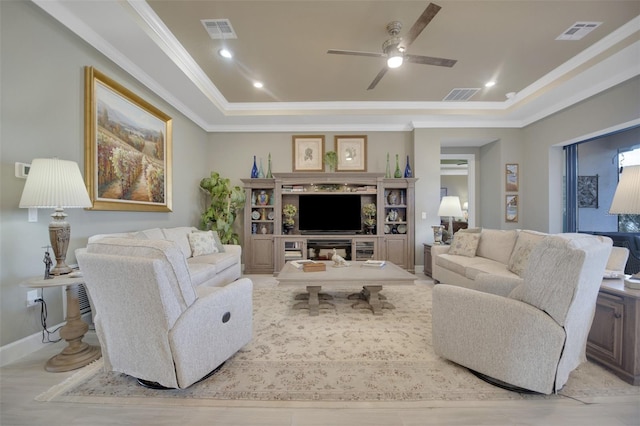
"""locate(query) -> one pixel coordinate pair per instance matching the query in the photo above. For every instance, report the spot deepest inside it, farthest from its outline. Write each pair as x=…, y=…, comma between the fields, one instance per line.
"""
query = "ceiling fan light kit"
x=395, y=47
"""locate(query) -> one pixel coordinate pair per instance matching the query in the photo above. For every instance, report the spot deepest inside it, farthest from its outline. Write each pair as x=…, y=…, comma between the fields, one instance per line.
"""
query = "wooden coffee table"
x=371, y=278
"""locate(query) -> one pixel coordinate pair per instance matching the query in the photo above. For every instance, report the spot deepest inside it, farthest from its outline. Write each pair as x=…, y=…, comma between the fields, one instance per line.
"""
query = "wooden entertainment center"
x=268, y=245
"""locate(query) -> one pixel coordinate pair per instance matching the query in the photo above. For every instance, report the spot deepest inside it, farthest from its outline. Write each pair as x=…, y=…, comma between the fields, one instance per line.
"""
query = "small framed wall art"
x=308, y=153
x=511, y=178
x=352, y=153
x=511, y=209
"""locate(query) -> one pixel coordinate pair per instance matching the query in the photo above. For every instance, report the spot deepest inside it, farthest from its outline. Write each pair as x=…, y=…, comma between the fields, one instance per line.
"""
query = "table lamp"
x=57, y=184
x=626, y=200
x=450, y=206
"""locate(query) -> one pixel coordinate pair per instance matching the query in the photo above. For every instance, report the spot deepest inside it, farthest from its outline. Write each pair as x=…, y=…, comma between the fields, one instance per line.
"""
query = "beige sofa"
x=494, y=261
x=210, y=263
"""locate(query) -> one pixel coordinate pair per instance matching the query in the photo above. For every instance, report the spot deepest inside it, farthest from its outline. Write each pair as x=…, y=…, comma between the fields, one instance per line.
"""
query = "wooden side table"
x=77, y=353
x=614, y=339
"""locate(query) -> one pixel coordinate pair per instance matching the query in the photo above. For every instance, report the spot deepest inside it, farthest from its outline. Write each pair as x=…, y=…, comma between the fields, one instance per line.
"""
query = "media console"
x=268, y=243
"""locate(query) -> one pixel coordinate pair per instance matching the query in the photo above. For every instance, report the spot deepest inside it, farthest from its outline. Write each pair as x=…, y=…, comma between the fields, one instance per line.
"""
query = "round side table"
x=77, y=353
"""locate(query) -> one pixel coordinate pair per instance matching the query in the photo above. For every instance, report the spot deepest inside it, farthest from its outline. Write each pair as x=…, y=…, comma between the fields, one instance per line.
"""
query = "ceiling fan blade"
x=429, y=60
x=376, y=80
x=355, y=53
x=424, y=19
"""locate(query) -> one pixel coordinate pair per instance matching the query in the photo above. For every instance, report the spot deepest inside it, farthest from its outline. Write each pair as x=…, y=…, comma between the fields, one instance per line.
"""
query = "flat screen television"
x=329, y=213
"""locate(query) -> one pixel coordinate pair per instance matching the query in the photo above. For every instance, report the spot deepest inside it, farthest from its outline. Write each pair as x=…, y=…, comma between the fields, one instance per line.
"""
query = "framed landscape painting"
x=127, y=148
x=511, y=178
x=308, y=153
x=352, y=153
x=511, y=208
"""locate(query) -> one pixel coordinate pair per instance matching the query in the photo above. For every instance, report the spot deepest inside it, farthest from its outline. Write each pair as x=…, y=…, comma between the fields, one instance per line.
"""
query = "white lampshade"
x=626, y=200
x=450, y=206
x=54, y=183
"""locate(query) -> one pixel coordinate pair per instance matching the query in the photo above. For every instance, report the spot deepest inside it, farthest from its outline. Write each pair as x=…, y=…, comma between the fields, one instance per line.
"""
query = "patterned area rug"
x=342, y=355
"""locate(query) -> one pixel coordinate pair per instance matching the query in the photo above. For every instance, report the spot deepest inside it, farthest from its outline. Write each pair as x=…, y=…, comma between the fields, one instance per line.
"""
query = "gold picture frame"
x=308, y=153
x=512, y=177
x=352, y=153
x=128, y=146
x=511, y=209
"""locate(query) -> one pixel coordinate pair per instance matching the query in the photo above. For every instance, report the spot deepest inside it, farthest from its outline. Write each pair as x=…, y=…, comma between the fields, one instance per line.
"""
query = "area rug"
x=343, y=355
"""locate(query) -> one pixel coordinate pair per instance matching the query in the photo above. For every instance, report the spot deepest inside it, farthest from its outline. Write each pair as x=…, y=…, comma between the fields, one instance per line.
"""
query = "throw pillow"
x=465, y=244
x=525, y=243
x=202, y=243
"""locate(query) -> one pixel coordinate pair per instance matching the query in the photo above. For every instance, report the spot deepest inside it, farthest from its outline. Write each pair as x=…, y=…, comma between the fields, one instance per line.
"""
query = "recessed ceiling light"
x=258, y=85
x=225, y=53
x=490, y=84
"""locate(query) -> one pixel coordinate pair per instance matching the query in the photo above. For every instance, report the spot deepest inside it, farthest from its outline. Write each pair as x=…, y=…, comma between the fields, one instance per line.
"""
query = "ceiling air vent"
x=219, y=29
x=461, y=95
x=578, y=30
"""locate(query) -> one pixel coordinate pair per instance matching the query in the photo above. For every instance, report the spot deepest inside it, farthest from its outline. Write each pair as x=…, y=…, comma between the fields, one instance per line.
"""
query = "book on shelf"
x=374, y=263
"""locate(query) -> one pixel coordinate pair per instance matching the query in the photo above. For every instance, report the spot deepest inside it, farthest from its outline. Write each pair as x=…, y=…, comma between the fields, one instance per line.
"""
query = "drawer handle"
x=617, y=315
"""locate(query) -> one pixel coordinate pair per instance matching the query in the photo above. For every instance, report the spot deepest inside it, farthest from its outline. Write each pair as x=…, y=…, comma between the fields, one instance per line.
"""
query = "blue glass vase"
x=407, y=170
x=254, y=169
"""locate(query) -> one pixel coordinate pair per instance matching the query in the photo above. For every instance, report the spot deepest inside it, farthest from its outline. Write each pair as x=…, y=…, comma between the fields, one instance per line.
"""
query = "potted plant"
x=331, y=158
x=225, y=202
x=369, y=211
x=289, y=211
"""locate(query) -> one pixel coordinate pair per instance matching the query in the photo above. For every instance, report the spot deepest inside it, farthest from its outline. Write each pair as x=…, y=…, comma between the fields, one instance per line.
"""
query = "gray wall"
x=543, y=143
x=42, y=113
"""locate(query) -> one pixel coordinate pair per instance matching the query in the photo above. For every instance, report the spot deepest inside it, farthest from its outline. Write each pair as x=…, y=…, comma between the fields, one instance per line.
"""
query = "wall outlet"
x=32, y=296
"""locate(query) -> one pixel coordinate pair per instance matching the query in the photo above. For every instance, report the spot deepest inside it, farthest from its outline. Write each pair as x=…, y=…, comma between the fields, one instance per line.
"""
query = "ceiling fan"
x=395, y=47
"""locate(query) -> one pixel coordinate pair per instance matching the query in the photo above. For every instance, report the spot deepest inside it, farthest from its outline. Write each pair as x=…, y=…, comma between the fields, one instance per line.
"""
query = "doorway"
x=454, y=168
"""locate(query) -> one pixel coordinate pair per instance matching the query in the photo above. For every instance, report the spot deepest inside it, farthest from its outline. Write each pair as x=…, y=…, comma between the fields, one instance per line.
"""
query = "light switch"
x=33, y=214
x=424, y=215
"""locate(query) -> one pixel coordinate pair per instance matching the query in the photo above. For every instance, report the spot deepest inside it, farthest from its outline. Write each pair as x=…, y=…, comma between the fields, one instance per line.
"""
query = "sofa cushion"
x=487, y=266
x=525, y=243
x=496, y=244
x=179, y=236
x=465, y=244
x=152, y=234
x=219, y=244
x=202, y=243
x=219, y=261
x=454, y=263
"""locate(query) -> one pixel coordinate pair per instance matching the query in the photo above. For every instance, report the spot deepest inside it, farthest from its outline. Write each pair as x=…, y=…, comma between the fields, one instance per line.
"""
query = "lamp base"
x=633, y=282
x=59, y=233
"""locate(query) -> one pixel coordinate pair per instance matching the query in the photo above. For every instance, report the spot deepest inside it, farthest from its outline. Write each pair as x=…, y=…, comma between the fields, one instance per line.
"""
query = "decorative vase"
x=392, y=198
x=388, y=172
x=261, y=171
x=254, y=169
x=407, y=170
x=398, y=173
x=263, y=198
x=263, y=230
x=269, y=175
x=437, y=234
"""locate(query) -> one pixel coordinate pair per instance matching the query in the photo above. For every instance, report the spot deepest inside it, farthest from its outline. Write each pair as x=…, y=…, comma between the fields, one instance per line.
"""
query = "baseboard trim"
x=25, y=346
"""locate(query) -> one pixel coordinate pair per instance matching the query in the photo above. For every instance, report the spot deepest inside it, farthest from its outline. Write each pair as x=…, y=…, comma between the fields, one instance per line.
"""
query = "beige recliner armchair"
x=151, y=322
x=534, y=337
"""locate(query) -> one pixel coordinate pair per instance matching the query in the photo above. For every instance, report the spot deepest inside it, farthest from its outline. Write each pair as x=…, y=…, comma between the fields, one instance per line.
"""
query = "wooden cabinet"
x=614, y=338
x=260, y=224
x=392, y=238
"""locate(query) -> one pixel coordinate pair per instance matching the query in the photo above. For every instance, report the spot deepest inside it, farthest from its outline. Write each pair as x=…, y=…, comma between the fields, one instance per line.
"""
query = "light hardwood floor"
x=22, y=381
